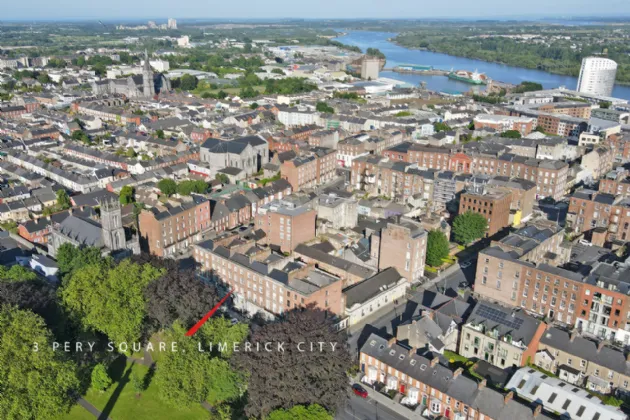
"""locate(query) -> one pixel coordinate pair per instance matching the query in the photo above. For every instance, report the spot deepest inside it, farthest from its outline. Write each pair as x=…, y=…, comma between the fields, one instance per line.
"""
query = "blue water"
x=397, y=55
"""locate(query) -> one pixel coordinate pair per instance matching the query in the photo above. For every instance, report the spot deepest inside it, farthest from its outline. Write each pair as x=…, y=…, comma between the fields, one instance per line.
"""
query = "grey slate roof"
x=369, y=288
x=85, y=231
x=487, y=401
x=513, y=322
x=586, y=349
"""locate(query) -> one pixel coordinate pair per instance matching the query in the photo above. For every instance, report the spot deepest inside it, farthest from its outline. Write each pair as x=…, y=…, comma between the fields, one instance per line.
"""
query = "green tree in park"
x=100, y=378
x=63, y=200
x=167, y=186
x=437, y=248
x=35, y=381
x=126, y=195
x=468, y=227
x=110, y=299
x=190, y=376
x=159, y=133
x=300, y=412
x=16, y=273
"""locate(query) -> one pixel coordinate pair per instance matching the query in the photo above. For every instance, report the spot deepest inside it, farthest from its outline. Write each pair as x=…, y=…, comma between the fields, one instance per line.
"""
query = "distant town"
x=267, y=221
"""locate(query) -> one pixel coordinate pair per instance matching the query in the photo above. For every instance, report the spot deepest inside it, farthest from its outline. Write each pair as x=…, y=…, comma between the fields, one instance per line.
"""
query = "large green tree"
x=100, y=378
x=126, y=195
x=70, y=257
x=167, y=186
x=110, y=299
x=283, y=379
x=511, y=134
x=16, y=273
x=437, y=248
x=35, y=381
x=468, y=227
x=63, y=201
x=300, y=412
x=190, y=376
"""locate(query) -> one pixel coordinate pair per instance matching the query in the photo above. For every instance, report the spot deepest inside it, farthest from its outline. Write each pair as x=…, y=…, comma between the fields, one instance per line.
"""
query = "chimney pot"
x=457, y=372
x=482, y=384
x=573, y=335
x=435, y=361
x=537, y=410
x=600, y=346
x=391, y=341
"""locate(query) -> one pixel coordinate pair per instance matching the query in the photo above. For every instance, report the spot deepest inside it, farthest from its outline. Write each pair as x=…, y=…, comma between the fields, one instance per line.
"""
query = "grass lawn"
x=77, y=413
x=123, y=403
x=156, y=354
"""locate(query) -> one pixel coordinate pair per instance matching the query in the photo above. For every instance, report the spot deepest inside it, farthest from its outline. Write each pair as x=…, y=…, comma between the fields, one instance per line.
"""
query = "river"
x=397, y=55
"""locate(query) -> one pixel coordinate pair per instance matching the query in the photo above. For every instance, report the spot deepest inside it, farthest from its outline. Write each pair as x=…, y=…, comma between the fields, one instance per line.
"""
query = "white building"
x=172, y=23
x=158, y=65
x=184, y=41
x=597, y=76
x=292, y=117
x=370, y=295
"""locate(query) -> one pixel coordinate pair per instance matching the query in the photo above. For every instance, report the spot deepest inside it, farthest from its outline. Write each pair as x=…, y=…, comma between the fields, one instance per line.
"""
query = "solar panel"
x=566, y=404
x=499, y=317
x=552, y=398
x=581, y=411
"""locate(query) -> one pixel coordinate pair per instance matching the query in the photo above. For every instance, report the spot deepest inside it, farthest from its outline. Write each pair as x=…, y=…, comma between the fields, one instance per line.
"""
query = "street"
x=357, y=408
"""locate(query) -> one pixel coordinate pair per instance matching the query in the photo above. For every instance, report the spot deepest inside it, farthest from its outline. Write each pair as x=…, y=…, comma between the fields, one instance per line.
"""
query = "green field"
x=123, y=404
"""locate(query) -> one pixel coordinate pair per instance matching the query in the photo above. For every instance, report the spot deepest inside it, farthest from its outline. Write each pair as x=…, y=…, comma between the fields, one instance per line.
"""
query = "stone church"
x=107, y=234
x=144, y=85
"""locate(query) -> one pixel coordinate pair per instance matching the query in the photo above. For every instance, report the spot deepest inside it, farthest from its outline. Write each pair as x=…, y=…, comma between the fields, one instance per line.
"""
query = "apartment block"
x=314, y=168
x=172, y=227
x=285, y=224
x=501, y=123
x=403, y=246
x=265, y=282
x=492, y=203
x=604, y=217
x=339, y=211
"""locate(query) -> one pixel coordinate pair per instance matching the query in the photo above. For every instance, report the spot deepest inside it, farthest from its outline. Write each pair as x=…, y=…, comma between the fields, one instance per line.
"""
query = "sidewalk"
x=392, y=405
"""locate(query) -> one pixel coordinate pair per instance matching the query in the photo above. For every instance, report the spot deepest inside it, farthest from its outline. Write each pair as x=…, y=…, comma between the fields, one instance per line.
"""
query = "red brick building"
x=286, y=225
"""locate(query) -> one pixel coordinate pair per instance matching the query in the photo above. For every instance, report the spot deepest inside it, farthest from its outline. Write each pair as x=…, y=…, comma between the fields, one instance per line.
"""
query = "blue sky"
x=156, y=9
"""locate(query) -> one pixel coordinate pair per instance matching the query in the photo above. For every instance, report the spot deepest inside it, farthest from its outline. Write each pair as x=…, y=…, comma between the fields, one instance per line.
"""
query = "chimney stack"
x=573, y=335
x=391, y=341
x=537, y=410
x=600, y=346
x=508, y=397
x=628, y=357
x=435, y=361
x=482, y=384
x=457, y=372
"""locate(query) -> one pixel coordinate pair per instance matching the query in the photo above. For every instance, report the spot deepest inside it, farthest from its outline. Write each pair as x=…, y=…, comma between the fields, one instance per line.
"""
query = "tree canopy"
x=441, y=126
x=37, y=382
x=16, y=273
x=278, y=380
x=110, y=299
x=288, y=86
x=324, y=107
x=167, y=186
x=126, y=195
x=190, y=186
x=190, y=376
x=300, y=412
x=63, y=201
x=468, y=227
x=511, y=134
x=437, y=248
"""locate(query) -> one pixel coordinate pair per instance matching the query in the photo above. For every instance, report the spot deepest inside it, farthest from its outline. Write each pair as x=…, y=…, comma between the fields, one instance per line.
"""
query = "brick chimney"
x=457, y=372
x=628, y=357
x=482, y=384
x=537, y=410
x=508, y=397
x=600, y=346
x=573, y=335
x=391, y=341
x=412, y=351
x=435, y=361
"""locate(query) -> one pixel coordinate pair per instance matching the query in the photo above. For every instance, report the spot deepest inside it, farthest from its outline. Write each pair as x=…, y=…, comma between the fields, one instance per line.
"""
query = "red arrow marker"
x=207, y=316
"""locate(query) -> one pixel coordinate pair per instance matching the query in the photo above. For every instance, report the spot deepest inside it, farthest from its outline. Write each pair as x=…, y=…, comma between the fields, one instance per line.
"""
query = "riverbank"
x=397, y=55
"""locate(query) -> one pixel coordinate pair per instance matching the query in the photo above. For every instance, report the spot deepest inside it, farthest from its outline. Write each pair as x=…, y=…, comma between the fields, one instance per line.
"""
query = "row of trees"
x=169, y=187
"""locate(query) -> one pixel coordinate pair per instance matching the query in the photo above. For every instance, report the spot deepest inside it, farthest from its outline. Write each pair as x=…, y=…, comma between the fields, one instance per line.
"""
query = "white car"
x=465, y=264
x=585, y=242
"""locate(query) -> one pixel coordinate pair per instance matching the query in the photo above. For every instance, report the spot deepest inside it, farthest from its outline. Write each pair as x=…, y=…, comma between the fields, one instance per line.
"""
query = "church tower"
x=111, y=223
x=148, y=87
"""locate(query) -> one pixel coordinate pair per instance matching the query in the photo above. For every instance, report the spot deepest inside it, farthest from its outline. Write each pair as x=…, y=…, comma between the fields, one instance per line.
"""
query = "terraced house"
x=435, y=389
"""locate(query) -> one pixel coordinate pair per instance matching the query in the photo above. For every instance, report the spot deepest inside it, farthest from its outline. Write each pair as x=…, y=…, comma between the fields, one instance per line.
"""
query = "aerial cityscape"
x=315, y=212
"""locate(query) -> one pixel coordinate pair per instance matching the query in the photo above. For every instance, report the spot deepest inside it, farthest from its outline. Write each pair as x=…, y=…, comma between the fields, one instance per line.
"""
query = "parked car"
x=359, y=390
